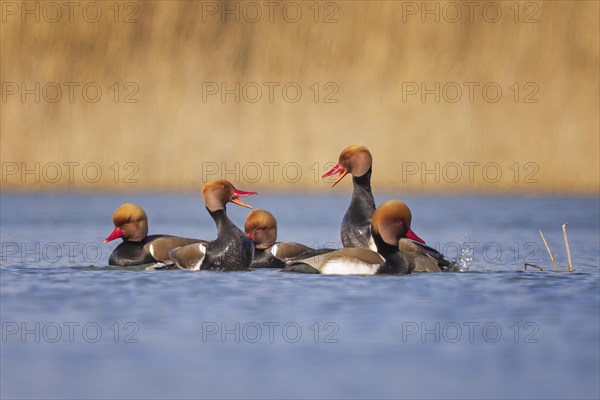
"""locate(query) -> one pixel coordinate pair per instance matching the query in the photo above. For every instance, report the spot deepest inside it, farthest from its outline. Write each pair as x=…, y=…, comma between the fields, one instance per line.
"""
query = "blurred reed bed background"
x=177, y=134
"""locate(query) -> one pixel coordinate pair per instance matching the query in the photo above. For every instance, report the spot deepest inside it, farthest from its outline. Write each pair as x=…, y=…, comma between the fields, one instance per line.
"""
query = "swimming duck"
x=356, y=225
x=357, y=161
x=137, y=248
x=232, y=250
x=261, y=228
x=391, y=222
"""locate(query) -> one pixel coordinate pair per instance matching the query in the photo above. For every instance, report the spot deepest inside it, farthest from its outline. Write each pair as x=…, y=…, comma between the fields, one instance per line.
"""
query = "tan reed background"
x=175, y=139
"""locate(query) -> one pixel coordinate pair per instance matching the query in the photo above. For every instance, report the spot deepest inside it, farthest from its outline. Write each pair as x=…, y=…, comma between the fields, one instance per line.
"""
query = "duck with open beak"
x=357, y=161
x=232, y=250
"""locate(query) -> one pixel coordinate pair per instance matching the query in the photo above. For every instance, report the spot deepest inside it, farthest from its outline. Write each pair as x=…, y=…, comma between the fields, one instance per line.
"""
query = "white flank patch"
x=274, y=249
x=372, y=245
x=198, y=264
x=348, y=267
x=151, y=249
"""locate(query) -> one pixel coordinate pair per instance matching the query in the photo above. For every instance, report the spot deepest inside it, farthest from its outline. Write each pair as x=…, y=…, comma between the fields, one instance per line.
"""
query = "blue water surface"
x=74, y=328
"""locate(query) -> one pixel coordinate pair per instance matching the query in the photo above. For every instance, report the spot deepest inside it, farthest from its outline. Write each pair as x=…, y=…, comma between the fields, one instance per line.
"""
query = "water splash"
x=465, y=259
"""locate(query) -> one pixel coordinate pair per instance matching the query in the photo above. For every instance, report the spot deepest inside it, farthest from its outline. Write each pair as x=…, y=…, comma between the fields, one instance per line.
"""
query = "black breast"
x=128, y=254
x=355, y=233
x=229, y=254
x=265, y=259
x=356, y=225
x=232, y=250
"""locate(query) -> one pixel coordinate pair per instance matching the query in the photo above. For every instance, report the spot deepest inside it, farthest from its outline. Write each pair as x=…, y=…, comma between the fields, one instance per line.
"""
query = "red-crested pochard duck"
x=391, y=222
x=356, y=226
x=131, y=225
x=261, y=228
x=232, y=250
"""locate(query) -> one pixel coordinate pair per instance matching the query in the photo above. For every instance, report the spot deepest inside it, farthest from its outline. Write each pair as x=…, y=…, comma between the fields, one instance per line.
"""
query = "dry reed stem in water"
x=534, y=266
x=564, y=227
x=552, y=257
